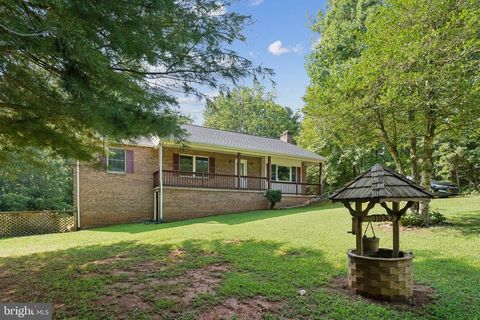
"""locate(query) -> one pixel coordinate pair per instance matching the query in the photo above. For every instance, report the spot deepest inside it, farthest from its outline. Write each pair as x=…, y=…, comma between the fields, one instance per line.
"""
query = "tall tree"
x=42, y=184
x=416, y=76
x=458, y=159
x=348, y=144
x=250, y=110
x=72, y=71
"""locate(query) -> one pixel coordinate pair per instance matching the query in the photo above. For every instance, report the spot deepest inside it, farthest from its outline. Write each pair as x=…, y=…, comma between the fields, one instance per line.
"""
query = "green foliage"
x=273, y=196
x=252, y=111
x=73, y=71
x=27, y=185
x=344, y=162
x=415, y=220
x=401, y=72
x=457, y=160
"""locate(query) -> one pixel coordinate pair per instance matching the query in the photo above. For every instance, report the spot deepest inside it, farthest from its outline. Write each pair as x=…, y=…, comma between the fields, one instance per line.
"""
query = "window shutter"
x=299, y=178
x=129, y=160
x=176, y=161
x=211, y=165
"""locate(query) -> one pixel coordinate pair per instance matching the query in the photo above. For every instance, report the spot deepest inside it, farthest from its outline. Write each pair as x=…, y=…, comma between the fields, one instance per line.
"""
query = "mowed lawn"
x=250, y=264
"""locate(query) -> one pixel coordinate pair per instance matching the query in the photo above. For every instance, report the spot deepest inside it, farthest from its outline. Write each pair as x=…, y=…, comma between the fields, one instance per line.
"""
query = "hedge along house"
x=214, y=172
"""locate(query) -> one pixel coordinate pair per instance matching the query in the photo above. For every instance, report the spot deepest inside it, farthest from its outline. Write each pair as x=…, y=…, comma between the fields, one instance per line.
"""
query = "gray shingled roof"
x=380, y=183
x=246, y=142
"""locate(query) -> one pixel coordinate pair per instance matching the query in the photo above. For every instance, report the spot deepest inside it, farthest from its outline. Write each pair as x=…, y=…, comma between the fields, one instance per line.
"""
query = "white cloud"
x=254, y=3
x=298, y=48
x=189, y=101
x=277, y=48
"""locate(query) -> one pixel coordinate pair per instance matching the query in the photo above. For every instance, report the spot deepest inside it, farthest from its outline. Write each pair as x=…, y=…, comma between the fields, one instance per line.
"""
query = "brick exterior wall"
x=224, y=163
x=381, y=278
x=178, y=204
x=110, y=198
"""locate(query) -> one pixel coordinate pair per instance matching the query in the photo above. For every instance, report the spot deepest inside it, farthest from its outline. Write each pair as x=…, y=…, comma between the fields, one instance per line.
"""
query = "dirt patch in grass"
x=195, y=282
x=422, y=295
x=251, y=309
x=125, y=304
x=14, y=288
x=143, y=291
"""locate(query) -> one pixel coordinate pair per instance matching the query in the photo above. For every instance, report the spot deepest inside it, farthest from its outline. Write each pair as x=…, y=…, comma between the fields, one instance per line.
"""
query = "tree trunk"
x=457, y=177
x=427, y=167
x=414, y=167
x=391, y=146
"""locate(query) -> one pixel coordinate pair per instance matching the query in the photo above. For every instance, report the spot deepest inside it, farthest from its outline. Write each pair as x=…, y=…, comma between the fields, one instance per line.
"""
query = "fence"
x=24, y=223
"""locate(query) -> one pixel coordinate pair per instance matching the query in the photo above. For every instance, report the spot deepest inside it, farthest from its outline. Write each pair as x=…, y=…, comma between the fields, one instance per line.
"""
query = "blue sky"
x=279, y=38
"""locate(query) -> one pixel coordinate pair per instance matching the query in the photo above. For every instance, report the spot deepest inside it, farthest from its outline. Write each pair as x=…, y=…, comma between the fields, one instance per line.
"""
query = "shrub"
x=416, y=220
x=273, y=196
x=471, y=192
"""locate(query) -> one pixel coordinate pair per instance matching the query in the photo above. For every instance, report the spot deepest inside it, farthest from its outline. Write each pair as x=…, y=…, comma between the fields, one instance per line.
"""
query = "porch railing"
x=173, y=178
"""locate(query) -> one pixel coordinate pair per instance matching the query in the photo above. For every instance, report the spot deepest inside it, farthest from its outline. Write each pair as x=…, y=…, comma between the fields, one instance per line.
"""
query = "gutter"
x=78, y=194
x=160, y=179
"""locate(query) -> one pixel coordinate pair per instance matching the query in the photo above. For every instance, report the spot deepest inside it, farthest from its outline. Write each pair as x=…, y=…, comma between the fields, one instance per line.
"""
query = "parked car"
x=444, y=189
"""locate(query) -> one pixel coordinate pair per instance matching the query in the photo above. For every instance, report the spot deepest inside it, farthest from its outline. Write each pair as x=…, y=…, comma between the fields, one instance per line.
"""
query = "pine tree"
x=73, y=71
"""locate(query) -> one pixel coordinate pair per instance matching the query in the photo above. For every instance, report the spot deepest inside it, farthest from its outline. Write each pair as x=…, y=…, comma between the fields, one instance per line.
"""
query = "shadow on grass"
x=456, y=284
x=77, y=280
x=228, y=219
x=467, y=224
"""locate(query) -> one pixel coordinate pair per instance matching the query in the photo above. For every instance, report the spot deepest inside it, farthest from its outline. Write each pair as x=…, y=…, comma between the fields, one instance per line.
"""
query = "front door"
x=243, y=173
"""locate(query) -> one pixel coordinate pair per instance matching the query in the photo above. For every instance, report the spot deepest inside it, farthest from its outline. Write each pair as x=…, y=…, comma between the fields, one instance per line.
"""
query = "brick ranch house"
x=215, y=172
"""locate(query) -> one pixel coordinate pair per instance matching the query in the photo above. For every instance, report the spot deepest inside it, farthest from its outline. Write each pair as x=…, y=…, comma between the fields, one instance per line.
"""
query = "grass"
x=192, y=269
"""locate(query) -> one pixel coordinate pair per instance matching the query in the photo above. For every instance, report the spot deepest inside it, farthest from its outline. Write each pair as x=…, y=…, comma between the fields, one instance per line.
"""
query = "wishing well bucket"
x=370, y=244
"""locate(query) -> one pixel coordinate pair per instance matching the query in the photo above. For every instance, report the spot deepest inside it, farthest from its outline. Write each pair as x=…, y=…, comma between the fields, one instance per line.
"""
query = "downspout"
x=78, y=194
x=160, y=179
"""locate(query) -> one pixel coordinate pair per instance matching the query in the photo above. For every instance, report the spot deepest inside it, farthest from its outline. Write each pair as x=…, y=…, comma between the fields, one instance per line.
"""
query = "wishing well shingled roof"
x=380, y=183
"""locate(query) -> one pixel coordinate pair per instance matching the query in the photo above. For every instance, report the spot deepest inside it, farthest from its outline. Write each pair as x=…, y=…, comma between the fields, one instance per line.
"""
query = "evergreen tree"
x=43, y=184
x=73, y=71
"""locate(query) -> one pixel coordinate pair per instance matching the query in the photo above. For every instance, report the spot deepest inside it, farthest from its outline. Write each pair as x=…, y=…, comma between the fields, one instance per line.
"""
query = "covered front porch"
x=209, y=169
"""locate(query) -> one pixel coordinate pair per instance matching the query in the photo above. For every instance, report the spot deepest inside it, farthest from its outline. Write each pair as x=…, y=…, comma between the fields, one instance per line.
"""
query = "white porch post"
x=160, y=179
x=78, y=194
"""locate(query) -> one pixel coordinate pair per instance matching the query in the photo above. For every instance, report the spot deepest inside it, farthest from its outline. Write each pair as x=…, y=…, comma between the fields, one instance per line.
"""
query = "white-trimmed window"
x=116, y=160
x=284, y=173
x=189, y=163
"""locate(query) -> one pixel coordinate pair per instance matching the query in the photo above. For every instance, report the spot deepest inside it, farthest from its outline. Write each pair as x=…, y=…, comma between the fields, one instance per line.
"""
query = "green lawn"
x=252, y=263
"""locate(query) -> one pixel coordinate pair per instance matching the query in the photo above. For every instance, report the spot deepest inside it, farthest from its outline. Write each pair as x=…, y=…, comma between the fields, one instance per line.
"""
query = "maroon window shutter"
x=211, y=165
x=129, y=159
x=176, y=161
x=299, y=178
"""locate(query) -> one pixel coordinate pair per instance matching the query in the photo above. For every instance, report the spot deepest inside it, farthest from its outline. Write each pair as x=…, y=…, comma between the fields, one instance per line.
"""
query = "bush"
x=471, y=192
x=273, y=196
x=416, y=220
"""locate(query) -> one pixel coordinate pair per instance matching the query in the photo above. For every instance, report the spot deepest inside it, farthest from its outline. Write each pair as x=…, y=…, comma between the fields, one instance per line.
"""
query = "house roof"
x=379, y=183
x=245, y=142
x=198, y=135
